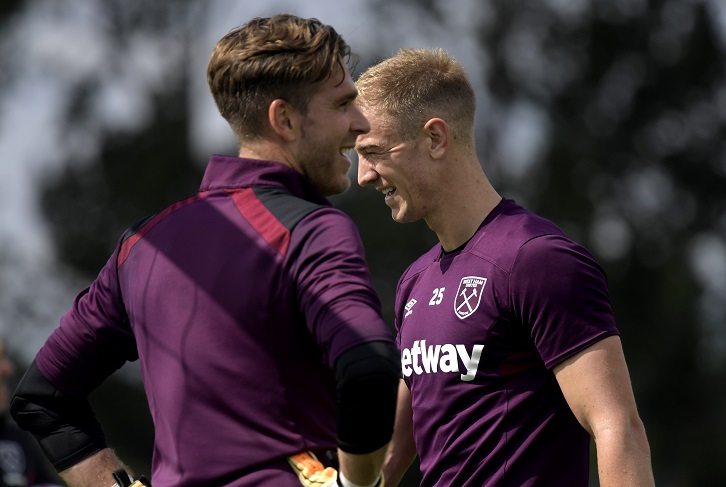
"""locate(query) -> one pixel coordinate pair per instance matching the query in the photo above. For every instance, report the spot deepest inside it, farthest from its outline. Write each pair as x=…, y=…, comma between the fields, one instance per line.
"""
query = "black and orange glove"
x=311, y=472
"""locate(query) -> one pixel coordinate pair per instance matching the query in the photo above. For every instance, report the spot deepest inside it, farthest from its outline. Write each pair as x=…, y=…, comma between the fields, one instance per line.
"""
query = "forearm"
x=95, y=471
x=399, y=459
x=362, y=469
x=402, y=451
x=623, y=456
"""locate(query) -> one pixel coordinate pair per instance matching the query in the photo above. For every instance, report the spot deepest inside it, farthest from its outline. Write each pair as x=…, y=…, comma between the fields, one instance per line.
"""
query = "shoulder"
x=501, y=240
x=326, y=233
x=287, y=208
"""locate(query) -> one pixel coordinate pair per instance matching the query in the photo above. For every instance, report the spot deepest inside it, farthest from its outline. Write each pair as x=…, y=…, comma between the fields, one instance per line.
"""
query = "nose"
x=366, y=172
x=360, y=124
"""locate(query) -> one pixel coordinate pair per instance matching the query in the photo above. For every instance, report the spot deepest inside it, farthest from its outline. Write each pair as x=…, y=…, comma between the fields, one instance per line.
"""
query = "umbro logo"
x=409, y=307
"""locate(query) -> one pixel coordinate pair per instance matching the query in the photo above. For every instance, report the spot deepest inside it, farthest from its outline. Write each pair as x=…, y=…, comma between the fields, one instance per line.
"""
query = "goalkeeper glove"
x=312, y=473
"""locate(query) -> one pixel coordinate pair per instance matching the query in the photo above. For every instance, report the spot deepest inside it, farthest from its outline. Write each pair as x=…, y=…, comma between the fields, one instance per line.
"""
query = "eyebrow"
x=366, y=148
x=348, y=97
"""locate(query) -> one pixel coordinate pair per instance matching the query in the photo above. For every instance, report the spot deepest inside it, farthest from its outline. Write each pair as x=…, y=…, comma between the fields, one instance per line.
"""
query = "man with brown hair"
x=249, y=305
x=510, y=355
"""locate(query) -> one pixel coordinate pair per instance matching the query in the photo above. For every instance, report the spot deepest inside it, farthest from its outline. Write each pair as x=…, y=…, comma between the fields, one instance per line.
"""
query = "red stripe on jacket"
x=261, y=219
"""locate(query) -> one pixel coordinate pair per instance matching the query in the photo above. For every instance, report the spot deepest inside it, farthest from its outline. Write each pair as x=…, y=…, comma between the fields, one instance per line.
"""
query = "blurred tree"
x=135, y=174
x=117, y=173
x=8, y=9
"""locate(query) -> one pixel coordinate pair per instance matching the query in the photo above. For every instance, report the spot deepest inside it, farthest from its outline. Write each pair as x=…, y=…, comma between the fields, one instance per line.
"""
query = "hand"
x=311, y=472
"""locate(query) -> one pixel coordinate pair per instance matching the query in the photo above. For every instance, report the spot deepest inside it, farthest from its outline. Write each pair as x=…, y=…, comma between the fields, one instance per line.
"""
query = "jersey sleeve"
x=93, y=338
x=334, y=288
x=560, y=293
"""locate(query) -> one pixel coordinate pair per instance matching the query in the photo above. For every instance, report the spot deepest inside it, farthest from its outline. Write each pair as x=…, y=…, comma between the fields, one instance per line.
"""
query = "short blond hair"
x=282, y=56
x=416, y=85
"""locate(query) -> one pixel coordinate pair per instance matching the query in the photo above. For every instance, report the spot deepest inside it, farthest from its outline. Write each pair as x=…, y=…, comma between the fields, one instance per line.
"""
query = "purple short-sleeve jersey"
x=237, y=301
x=479, y=330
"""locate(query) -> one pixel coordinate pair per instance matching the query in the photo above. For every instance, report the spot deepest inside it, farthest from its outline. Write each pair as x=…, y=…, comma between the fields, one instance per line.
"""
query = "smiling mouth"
x=388, y=194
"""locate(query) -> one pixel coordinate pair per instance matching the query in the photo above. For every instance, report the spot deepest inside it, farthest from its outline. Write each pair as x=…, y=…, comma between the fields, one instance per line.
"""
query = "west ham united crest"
x=468, y=296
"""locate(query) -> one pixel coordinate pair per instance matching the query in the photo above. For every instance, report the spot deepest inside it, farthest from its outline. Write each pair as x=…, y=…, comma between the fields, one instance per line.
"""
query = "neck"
x=268, y=151
x=465, y=202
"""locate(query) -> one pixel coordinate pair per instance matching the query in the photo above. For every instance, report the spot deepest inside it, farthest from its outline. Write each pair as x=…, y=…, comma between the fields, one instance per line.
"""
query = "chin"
x=333, y=189
x=402, y=217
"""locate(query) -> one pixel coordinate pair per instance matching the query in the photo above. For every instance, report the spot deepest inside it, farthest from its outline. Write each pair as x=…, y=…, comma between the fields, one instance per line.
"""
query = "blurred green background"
x=605, y=116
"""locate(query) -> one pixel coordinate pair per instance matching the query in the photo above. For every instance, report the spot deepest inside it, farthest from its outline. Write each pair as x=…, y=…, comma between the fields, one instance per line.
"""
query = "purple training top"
x=479, y=330
x=237, y=302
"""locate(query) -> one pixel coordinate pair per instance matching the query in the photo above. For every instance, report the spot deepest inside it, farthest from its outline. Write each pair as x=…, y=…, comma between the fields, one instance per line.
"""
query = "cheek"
x=419, y=192
x=413, y=183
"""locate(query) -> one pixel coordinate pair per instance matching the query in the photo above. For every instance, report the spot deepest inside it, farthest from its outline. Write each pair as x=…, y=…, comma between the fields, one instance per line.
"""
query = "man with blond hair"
x=249, y=306
x=510, y=355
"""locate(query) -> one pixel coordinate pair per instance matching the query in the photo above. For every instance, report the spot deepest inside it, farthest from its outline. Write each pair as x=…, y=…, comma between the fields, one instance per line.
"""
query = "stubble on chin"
x=332, y=183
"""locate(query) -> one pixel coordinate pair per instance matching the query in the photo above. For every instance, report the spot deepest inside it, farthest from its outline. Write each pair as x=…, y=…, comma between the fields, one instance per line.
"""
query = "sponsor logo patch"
x=432, y=359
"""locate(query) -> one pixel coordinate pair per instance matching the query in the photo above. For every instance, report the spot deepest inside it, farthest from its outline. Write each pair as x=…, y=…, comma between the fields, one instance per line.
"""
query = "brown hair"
x=283, y=56
x=416, y=85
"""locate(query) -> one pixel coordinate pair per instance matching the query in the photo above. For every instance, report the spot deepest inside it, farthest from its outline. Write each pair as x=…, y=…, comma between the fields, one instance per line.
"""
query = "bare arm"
x=402, y=451
x=95, y=471
x=597, y=387
x=362, y=469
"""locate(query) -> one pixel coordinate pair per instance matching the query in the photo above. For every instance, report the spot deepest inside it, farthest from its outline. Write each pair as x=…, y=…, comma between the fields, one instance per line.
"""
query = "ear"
x=437, y=132
x=284, y=119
